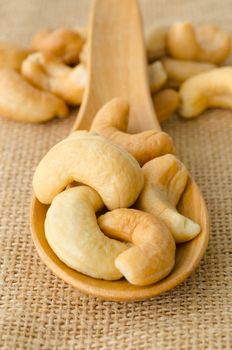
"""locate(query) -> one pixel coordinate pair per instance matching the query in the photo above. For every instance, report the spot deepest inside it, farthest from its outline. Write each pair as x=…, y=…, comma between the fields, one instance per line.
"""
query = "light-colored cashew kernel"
x=12, y=56
x=204, y=43
x=152, y=255
x=157, y=76
x=22, y=102
x=205, y=90
x=92, y=160
x=165, y=103
x=178, y=70
x=165, y=181
x=112, y=120
x=48, y=73
x=63, y=43
x=155, y=39
x=73, y=234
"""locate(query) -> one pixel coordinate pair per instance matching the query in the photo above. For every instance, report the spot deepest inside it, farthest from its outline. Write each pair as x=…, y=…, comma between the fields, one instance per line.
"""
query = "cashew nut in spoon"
x=111, y=121
x=155, y=40
x=22, y=102
x=178, y=70
x=12, y=56
x=49, y=73
x=63, y=43
x=73, y=234
x=203, y=43
x=165, y=179
x=205, y=90
x=152, y=255
x=165, y=103
x=92, y=160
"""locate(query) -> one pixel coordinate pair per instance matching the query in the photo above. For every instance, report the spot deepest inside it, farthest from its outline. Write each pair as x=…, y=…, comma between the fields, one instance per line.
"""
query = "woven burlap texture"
x=40, y=311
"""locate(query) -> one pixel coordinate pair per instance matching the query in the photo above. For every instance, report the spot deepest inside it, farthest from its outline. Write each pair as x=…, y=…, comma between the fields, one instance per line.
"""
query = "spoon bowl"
x=117, y=67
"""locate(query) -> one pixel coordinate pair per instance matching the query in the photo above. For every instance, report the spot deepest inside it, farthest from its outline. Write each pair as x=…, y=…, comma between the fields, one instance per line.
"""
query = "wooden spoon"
x=117, y=67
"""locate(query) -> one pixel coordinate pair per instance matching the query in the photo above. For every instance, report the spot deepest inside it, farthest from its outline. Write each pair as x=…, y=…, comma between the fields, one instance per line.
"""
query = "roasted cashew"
x=152, y=255
x=157, y=76
x=204, y=43
x=63, y=43
x=156, y=42
x=48, y=73
x=23, y=102
x=165, y=103
x=111, y=121
x=178, y=70
x=12, y=56
x=205, y=90
x=92, y=160
x=165, y=181
x=72, y=232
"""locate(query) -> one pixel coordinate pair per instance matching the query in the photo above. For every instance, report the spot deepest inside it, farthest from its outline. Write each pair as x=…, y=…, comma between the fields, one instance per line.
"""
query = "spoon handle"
x=117, y=65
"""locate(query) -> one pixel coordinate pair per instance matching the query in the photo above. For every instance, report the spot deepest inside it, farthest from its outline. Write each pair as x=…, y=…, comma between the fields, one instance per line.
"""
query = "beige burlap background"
x=38, y=310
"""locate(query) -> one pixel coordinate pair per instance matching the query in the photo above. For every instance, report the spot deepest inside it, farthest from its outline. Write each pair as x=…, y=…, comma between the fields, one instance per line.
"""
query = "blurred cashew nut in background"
x=12, y=56
x=152, y=255
x=63, y=43
x=165, y=103
x=178, y=70
x=165, y=181
x=201, y=43
x=49, y=73
x=112, y=120
x=23, y=102
x=205, y=90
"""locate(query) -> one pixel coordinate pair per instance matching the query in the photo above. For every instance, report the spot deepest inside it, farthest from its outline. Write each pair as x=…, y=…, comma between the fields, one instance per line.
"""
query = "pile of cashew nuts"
x=184, y=72
x=113, y=199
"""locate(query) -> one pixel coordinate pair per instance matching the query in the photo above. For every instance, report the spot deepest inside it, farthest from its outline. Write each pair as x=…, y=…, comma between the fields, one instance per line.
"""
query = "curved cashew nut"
x=205, y=43
x=12, y=56
x=155, y=39
x=63, y=43
x=92, y=160
x=165, y=181
x=22, y=102
x=152, y=255
x=165, y=103
x=73, y=234
x=111, y=121
x=178, y=70
x=210, y=89
x=157, y=76
x=48, y=73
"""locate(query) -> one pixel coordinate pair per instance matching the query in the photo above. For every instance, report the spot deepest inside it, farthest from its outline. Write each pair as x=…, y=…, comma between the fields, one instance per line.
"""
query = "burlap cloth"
x=38, y=310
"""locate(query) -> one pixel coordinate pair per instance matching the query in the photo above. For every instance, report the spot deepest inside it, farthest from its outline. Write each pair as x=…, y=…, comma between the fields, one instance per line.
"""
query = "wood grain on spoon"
x=117, y=67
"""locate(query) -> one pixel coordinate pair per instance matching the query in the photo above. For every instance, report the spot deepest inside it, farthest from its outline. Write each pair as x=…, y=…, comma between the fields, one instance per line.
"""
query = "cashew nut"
x=48, y=73
x=178, y=70
x=205, y=90
x=22, y=102
x=73, y=234
x=12, y=56
x=165, y=103
x=92, y=160
x=63, y=43
x=157, y=76
x=165, y=181
x=156, y=42
x=204, y=43
x=111, y=121
x=152, y=255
